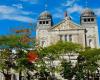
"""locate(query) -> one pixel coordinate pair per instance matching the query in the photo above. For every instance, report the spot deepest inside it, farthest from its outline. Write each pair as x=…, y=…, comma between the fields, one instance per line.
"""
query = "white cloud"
x=97, y=11
x=11, y=10
x=20, y=6
x=17, y=18
x=31, y=1
x=75, y=8
x=11, y=13
x=69, y=3
x=58, y=13
x=79, y=9
x=59, y=10
x=71, y=6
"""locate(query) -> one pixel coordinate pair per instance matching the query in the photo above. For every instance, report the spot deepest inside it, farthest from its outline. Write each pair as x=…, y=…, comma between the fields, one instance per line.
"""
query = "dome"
x=88, y=12
x=45, y=15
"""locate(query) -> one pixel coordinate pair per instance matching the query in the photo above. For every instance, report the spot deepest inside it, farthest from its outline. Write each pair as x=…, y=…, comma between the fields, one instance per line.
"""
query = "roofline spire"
x=46, y=5
x=86, y=3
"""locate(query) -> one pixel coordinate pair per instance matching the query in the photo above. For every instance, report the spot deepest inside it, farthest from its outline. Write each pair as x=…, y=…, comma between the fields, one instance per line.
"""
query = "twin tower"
x=85, y=33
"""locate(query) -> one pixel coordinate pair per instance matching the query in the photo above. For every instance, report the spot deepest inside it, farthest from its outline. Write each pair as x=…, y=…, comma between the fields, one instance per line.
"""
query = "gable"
x=65, y=25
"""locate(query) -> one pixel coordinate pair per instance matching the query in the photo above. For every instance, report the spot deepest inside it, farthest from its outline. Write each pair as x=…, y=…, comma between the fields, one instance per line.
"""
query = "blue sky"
x=17, y=13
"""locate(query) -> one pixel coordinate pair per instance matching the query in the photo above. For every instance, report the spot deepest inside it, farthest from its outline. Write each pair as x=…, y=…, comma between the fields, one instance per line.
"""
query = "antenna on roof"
x=46, y=5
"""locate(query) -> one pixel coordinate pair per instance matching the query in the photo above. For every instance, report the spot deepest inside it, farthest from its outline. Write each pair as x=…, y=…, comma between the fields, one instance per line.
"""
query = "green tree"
x=87, y=63
x=55, y=51
x=7, y=43
x=23, y=65
x=67, y=70
x=6, y=63
x=13, y=41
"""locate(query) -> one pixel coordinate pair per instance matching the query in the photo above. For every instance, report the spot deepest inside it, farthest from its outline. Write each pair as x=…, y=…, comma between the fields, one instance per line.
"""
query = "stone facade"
x=89, y=22
x=85, y=33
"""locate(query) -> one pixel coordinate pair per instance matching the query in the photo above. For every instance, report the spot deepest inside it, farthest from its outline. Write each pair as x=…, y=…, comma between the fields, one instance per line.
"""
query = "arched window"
x=88, y=19
x=60, y=36
x=85, y=20
x=43, y=22
x=42, y=43
x=70, y=37
x=90, y=42
x=47, y=22
x=92, y=19
x=66, y=37
x=40, y=22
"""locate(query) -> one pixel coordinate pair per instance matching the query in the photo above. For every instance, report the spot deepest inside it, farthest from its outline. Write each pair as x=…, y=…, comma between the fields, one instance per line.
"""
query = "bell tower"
x=89, y=22
x=44, y=22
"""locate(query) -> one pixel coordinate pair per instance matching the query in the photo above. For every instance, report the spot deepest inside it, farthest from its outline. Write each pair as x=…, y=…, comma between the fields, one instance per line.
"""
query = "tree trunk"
x=7, y=76
x=28, y=76
x=20, y=75
x=88, y=75
x=69, y=54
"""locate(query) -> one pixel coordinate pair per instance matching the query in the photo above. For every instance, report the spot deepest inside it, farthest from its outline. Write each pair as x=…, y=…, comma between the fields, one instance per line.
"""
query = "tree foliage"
x=87, y=60
x=87, y=63
x=92, y=56
x=14, y=41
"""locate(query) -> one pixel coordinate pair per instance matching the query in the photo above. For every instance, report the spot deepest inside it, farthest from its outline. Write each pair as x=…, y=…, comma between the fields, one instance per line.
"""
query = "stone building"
x=85, y=33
